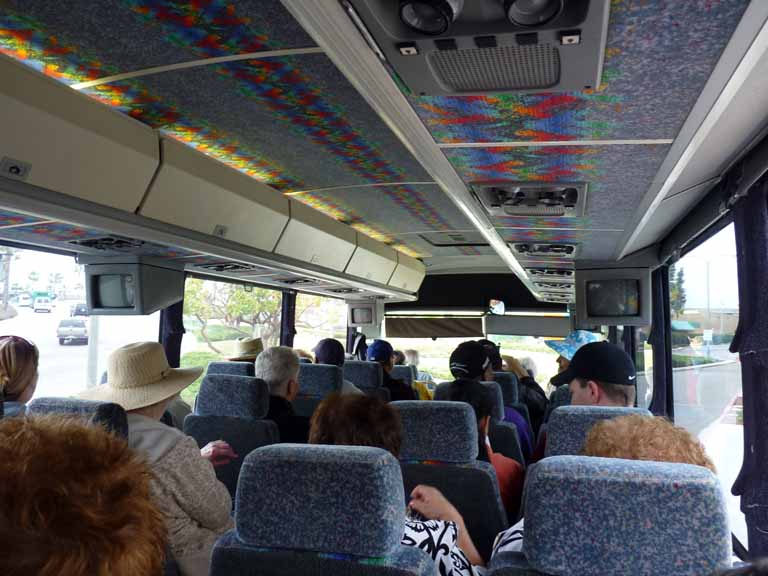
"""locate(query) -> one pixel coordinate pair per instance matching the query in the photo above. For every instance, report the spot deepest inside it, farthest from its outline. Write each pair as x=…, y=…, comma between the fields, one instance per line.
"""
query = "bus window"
x=317, y=318
x=46, y=305
x=541, y=356
x=218, y=313
x=643, y=362
x=433, y=354
x=707, y=378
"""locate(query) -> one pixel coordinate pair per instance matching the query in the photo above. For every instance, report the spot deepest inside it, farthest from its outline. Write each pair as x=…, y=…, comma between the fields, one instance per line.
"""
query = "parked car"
x=79, y=309
x=25, y=300
x=72, y=331
x=42, y=305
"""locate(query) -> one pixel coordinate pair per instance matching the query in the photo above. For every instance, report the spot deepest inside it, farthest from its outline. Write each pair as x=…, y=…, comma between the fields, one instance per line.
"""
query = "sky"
x=719, y=255
x=43, y=263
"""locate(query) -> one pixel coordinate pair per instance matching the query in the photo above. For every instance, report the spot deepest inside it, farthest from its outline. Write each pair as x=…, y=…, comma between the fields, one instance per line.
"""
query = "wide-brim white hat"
x=247, y=349
x=138, y=375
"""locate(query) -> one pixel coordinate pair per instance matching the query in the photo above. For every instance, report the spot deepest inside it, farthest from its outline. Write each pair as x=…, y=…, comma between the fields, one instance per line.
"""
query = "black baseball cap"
x=602, y=362
x=469, y=360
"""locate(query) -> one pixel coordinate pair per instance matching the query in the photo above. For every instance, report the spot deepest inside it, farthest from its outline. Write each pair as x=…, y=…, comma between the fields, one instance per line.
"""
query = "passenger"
x=632, y=437
x=331, y=351
x=279, y=368
x=247, y=349
x=195, y=504
x=359, y=347
x=412, y=359
x=75, y=500
x=346, y=420
x=398, y=357
x=530, y=366
x=305, y=355
x=381, y=351
x=18, y=373
x=566, y=349
x=467, y=363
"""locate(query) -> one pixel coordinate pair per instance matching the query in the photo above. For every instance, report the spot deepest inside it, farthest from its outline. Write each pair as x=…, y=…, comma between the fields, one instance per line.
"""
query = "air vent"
x=551, y=274
x=554, y=286
x=526, y=199
x=297, y=281
x=542, y=250
x=230, y=267
x=469, y=238
x=555, y=297
x=110, y=243
x=345, y=290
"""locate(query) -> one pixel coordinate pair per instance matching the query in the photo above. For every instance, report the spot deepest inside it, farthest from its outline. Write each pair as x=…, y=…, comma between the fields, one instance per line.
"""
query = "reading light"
x=532, y=12
x=432, y=17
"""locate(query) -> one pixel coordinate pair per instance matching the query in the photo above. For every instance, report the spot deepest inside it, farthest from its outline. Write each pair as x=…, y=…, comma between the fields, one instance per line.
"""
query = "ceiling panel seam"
x=349, y=186
x=558, y=143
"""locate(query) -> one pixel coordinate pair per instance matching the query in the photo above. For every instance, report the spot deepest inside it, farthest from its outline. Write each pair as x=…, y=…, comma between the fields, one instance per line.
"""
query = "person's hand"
x=430, y=503
x=218, y=453
x=514, y=366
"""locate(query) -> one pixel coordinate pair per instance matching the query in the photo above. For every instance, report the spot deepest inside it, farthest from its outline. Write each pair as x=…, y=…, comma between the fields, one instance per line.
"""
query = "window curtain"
x=288, y=319
x=172, y=332
x=662, y=403
x=751, y=343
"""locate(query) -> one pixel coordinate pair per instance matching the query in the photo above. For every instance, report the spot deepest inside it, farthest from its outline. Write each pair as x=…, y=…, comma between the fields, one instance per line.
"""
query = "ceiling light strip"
x=263, y=55
x=558, y=143
x=757, y=50
x=330, y=26
x=350, y=186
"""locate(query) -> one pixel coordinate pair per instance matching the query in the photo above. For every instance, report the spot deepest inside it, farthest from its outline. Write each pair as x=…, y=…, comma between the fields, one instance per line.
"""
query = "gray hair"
x=277, y=366
x=411, y=357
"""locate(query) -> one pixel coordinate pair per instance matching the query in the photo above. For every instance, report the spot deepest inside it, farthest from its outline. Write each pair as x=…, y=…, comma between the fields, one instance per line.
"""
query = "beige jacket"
x=195, y=504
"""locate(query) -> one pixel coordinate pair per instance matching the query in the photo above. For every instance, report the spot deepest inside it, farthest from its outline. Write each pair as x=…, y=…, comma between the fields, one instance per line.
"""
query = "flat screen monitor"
x=613, y=297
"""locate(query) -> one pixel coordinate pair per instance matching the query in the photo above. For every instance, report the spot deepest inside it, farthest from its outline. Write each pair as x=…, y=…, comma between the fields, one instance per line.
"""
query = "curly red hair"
x=637, y=437
x=75, y=501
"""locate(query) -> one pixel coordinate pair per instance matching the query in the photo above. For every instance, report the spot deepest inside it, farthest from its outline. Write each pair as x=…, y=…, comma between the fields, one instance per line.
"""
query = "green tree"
x=674, y=291
x=678, y=304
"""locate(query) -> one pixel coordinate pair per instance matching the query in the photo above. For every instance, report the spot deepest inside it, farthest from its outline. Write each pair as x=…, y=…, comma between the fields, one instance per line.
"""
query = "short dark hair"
x=398, y=357
x=479, y=397
x=356, y=420
x=618, y=393
x=493, y=354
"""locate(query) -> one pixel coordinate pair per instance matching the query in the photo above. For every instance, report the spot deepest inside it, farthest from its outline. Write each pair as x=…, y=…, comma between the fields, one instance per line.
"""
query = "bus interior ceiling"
x=648, y=142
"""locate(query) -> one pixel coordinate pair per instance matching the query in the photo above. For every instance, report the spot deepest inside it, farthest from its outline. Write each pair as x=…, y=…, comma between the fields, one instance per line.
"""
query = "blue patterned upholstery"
x=568, y=426
x=111, y=416
x=363, y=374
x=331, y=499
x=404, y=373
x=509, y=387
x=560, y=397
x=319, y=380
x=435, y=430
x=303, y=360
x=243, y=434
x=624, y=517
x=233, y=368
x=234, y=396
x=497, y=398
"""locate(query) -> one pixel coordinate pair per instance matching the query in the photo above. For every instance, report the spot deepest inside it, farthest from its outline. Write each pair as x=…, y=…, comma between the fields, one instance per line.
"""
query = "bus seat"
x=107, y=414
x=234, y=396
x=234, y=368
x=509, y=387
x=316, y=381
x=364, y=374
x=504, y=436
x=621, y=517
x=560, y=397
x=382, y=394
x=349, y=521
x=244, y=435
x=439, y=449
x=303, y=360
x=404, y=373
x=569, y=425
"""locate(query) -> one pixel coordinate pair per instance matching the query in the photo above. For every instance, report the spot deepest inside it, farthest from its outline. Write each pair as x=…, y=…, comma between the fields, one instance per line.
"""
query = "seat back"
x=404, y=373
x=234, y=396
x=560, y=397
x=233, y=368
x=623, y=517
x=440, y=446
x=363, y=374
x=244, y=435
x=316, y=381
x=304, y=360
x=569, y=425
x=509, y=387
x=111, y=416
x=350, y=520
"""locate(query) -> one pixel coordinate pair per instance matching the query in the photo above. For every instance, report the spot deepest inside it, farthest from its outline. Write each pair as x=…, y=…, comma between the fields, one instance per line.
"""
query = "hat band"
x=164, y=373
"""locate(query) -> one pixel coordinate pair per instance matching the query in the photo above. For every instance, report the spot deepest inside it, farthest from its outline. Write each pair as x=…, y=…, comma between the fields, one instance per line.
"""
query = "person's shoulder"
x=506, y=464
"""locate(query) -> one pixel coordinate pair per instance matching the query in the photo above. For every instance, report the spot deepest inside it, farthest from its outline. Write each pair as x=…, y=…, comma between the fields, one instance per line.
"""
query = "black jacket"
x=398, y=390
x=293, y=428
x=532, y=395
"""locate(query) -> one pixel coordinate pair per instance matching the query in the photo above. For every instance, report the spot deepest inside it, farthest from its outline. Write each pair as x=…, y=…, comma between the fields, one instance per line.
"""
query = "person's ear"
x=594, y=391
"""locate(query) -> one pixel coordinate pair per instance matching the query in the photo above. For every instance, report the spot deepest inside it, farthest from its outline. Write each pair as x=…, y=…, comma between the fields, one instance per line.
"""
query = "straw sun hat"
x=139, y=376
x=247, y=349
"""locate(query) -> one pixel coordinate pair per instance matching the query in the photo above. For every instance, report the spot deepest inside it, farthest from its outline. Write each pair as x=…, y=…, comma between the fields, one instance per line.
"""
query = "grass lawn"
x=683, y=361
x=192, y=359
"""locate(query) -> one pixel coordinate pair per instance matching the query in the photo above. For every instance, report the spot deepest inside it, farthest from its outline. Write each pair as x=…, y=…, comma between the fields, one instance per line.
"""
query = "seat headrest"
x=234, y=396
x=624, y=517
x=443, y=392
x=561, y=396
x=569, y=425
x=107, y=414
x=435, y=430
x=319, y=379
x=508, y=383
x=333, y=499
x=303, y=360
x=364, y=374
x=233, y=368
x=404, y=373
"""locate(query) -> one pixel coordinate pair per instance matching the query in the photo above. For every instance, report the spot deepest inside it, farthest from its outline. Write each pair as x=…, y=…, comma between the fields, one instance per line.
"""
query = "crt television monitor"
x=613, y=297
x=361, y=314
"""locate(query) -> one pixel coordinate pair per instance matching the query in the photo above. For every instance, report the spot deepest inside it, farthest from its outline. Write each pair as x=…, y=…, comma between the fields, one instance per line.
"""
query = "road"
x=64, y=369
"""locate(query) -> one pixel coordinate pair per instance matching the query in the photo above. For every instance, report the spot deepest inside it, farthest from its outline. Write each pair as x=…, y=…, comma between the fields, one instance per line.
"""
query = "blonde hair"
x=637, y=437
x=18, y=366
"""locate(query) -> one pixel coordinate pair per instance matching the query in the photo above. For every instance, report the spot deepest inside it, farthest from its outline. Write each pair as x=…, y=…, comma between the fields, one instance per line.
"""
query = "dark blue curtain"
x=172, y=332
x=288, y=319
x=663, y=402
x=751, y=342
